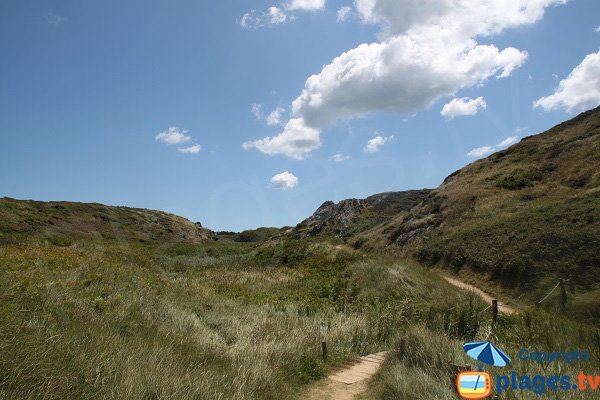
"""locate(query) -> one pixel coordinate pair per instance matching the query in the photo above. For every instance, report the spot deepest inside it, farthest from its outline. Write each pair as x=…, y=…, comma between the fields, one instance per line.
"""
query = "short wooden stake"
x=324, y=351
x=563, y=295
x=494, y=311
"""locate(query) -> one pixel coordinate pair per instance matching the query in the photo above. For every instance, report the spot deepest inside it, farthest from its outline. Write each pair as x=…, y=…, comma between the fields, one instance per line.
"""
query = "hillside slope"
x=62, y=222
x=524, y=217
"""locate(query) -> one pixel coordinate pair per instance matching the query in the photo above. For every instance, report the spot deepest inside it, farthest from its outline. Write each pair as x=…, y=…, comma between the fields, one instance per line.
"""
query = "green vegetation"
x=516, y=222
x=423, y=367
x=102, y=302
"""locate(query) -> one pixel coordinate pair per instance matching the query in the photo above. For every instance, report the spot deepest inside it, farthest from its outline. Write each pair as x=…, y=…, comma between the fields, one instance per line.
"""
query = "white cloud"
x=54, y=19
x=463, y=106
x=173, y=136
x=195, y=149
x=285, y=181
x=485, y=150
x=427, y=50
x=339, y=157
x=274, y=118
x=277, y=16
x=343, y=13
x=597, y=29
x=256, y=110
x=480, y=151
x=255, y=19
x=296, y=141
x=305, y=5
x=374, y=144
x=509, y=141
x=579, y=91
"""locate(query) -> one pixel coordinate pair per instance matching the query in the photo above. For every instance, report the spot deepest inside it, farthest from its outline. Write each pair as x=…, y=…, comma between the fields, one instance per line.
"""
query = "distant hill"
x=350, y=217
x=63, y=222
x=524, y=217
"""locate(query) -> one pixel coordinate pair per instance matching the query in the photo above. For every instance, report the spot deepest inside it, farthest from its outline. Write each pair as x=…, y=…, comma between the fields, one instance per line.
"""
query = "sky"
x=241, y=114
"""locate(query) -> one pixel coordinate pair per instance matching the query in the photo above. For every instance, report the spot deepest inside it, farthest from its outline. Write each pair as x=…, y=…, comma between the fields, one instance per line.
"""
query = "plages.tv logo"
x=478, y=385
x=474, y=385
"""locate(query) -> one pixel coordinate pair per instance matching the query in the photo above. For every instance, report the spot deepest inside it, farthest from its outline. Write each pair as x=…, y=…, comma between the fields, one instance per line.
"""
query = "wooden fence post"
x=324, y=351
x=494, y=311
x=563, y=295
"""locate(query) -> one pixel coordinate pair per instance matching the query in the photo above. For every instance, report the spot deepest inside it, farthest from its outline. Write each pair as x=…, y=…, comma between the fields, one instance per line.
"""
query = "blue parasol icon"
x=487, y=353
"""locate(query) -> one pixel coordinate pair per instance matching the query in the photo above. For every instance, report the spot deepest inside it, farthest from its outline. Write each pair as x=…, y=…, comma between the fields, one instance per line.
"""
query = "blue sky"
x=86, y=88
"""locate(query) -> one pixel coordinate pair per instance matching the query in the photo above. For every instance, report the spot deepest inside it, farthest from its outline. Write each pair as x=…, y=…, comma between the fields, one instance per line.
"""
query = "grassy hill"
x=522, y=218
x=65, y=222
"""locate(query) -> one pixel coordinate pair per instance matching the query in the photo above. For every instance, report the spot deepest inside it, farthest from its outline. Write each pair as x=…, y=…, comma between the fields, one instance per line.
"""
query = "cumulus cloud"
x=173, y=136
x=463, y=106
x=306, y=5
x=579, y=91
x=176, y=136
x=343, y=13
x=285, y=181
x=339, y=157
x=296, y=141
x=195, y=149
x=375, y=144
x=274, y=117
x=485, y=150
x=427, y=50
x=480, y=151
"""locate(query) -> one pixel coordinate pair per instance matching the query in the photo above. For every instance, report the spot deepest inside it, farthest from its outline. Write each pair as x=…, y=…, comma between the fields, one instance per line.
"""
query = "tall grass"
x=113, y=321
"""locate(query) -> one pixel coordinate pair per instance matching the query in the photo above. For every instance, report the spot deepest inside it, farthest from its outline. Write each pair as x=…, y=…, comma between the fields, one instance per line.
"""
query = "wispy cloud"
x=509, y=141
x=285, y=181
x=376, y=143
x=274, y=117
x=339, y=157
x=480, y=151
x=195, y=149
x=54, y=19
x=485, y=150
x=343, y=14
x=256, y=110
x=257, y=19
x=278, y=15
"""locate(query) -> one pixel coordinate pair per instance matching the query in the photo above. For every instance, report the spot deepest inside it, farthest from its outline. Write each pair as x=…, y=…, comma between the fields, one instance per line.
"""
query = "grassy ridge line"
x=64, y=222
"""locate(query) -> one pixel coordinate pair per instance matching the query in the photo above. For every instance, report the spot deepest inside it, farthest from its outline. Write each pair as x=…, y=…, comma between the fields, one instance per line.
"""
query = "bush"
x=309, y=369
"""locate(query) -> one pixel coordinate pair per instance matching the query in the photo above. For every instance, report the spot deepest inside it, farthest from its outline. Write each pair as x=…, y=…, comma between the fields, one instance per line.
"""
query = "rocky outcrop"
x=349, y=217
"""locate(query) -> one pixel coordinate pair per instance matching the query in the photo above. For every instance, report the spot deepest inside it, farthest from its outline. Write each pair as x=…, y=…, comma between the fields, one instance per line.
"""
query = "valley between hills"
x=103, y=302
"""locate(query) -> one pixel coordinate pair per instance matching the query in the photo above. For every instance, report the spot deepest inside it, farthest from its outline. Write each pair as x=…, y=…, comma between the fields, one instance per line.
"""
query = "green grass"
x=122, y=320
x=422, y=367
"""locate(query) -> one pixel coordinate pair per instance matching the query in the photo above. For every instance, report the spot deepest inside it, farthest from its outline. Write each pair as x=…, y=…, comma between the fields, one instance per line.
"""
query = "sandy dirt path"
x=348, y=382
x=502, y=307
